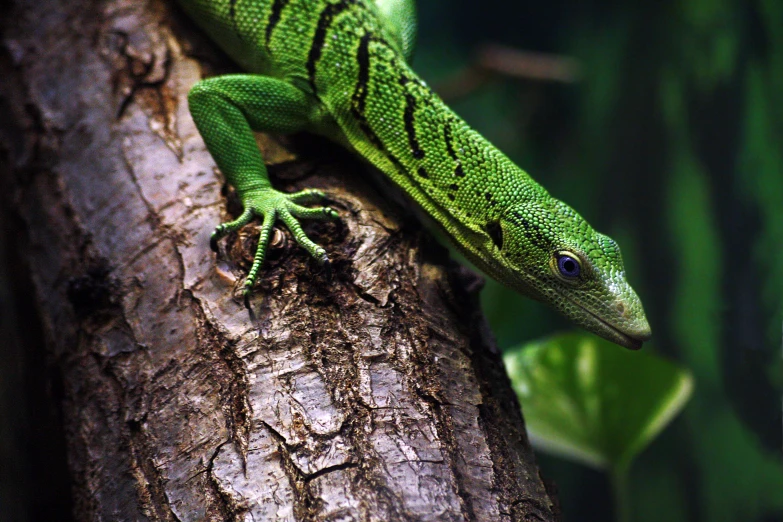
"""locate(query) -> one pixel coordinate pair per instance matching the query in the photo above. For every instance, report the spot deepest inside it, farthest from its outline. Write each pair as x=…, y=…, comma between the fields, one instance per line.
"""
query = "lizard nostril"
x=620, y=307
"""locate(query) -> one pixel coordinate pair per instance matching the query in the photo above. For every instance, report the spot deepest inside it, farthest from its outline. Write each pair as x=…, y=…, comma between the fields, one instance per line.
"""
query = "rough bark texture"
x=374, y=395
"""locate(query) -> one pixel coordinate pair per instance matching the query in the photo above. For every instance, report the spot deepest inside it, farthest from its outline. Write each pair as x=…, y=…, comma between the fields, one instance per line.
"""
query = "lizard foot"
x=272, y=205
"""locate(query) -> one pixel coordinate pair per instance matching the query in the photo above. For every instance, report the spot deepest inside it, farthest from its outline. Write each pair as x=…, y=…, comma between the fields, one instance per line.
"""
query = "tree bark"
x=376, y=394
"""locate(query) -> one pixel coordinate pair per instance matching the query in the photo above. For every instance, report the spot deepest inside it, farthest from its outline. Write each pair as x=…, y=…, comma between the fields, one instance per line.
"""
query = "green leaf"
x=587, y=399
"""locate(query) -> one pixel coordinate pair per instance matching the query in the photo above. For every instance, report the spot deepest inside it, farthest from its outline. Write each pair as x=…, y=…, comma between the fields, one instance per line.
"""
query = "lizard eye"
x=568, y=265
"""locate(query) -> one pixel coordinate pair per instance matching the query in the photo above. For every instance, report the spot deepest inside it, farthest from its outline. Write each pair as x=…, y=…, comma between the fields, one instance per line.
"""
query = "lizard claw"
x=274, y=206
x=246, y=300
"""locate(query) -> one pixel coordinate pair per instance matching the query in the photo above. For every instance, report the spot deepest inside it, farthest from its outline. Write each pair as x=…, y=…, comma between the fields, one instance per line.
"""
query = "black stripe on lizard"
x=359, y=98
x=274, y=18
x=324, y=22
x=532, y=232
x=449, y=140
x=232, y=13
x=359, y=102
x=409, y=118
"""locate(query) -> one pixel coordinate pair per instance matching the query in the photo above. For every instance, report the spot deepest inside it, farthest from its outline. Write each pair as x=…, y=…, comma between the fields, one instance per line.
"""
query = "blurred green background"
x=671, y=141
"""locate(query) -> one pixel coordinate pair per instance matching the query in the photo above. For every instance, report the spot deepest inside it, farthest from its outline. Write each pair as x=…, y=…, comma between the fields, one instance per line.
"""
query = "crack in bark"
x=154, y=220
x=150, y=483
x=152, y=490
x=305, y=502
x=230, y=510
x=443, y=421
x=237, y=409
x=344, y=385
x=445, y=431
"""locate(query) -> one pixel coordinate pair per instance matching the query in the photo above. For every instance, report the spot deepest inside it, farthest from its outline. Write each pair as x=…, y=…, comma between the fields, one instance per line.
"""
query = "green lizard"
x=339, y=68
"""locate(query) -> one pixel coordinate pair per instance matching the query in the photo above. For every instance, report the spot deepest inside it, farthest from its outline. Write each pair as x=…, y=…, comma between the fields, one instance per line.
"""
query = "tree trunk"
x=376, y=394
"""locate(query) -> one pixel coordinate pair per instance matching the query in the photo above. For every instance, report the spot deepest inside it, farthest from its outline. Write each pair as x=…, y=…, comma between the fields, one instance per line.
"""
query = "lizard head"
x=550, y=253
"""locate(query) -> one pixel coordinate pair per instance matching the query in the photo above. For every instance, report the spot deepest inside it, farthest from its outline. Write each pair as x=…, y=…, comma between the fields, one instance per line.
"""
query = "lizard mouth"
x=595, y=324
x=612, y=333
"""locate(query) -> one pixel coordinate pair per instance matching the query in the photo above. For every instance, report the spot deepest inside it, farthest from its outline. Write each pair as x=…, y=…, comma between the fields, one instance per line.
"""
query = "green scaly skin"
x=338, y=68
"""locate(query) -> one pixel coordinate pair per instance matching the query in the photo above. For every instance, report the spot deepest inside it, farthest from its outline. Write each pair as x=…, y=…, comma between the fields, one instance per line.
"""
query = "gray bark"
x=376, y=394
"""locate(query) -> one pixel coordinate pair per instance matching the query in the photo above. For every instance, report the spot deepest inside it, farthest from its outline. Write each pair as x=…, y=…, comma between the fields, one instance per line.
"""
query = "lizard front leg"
x=226, y=110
